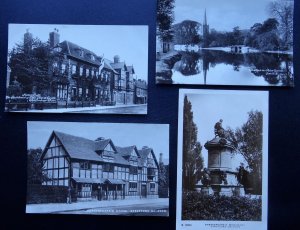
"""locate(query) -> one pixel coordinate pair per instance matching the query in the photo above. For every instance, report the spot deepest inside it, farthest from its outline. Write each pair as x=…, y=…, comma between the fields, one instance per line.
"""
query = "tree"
x=238, y=38
x=192, y=157
x=187, y=32
x=35, y=174
x=264, y=36
x=163, y=179
x=31, y=67
x=165, y=19
x=248, y=141
x=283, y=11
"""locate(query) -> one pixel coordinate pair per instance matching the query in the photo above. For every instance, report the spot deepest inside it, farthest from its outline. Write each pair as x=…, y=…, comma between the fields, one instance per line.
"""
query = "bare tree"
x=283, y=11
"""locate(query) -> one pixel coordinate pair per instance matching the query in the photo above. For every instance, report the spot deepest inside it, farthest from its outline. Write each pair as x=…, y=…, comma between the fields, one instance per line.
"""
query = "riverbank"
x=164, y=65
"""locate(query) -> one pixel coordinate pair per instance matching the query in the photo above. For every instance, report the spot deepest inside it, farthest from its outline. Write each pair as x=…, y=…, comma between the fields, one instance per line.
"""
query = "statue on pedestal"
x=219, y=130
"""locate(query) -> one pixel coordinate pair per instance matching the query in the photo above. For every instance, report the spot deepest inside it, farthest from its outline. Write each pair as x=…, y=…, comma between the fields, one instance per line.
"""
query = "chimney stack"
x=54, y=38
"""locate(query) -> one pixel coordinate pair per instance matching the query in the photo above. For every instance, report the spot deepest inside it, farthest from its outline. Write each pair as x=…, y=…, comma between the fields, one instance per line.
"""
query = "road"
x=135, y=109
x=127, y=210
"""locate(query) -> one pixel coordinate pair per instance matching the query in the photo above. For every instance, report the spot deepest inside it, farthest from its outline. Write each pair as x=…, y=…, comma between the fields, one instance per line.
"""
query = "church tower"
x=28, y=40
x=205, y=31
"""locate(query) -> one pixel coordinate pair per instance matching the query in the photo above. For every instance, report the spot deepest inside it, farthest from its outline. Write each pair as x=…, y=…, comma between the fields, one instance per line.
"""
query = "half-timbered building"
x=99, y=169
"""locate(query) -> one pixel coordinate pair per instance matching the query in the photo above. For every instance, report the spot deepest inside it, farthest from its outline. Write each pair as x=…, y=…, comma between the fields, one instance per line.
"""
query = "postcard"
x=230, y=42
x=222, y=170
x=77, y=69
x=97, y=168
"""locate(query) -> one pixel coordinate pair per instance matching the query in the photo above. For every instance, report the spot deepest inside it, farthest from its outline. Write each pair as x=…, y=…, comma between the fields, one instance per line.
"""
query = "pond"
x=212, y=67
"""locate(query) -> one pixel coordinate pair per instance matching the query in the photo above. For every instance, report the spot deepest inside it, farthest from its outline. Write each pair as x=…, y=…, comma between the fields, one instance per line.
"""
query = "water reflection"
x=224, y=68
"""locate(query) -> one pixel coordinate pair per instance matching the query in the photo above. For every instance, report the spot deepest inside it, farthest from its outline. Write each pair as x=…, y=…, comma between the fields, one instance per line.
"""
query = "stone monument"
x=223, y=178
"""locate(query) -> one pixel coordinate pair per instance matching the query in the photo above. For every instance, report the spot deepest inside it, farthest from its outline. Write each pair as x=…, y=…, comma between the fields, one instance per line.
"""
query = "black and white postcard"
x=77, y=69
x=229, y=42
x=222, y=171
x=98, y=168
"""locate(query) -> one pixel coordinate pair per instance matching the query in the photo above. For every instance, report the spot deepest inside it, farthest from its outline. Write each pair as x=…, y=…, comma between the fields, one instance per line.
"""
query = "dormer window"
x=81, y=53
x=92, y=57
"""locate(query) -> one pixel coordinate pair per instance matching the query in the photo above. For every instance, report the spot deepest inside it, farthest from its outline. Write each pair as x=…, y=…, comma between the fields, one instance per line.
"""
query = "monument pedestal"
x=223, y=176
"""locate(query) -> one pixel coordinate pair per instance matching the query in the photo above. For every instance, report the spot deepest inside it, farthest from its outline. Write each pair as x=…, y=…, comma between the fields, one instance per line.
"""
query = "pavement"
x=64, y=207
x=98, y=108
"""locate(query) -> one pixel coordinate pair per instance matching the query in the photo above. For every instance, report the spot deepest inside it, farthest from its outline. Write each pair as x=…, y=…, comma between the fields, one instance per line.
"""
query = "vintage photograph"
x=222, y=171
x=77, y=69
x=225, y=42
x=98, y=168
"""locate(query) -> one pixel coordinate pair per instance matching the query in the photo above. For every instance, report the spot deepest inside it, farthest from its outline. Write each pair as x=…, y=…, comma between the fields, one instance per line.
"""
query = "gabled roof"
x=126, y=151
x=74, y=50
x=101, y=144
x=144, y=154
x=107, y=65
x=119, y=65
x=85, y=149
x=78, y=147
x=130, y=69
x=141, y=84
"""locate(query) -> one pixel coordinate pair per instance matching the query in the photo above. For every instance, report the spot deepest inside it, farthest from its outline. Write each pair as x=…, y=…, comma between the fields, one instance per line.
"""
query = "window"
x=80, y=70
x=87, y=72
x=62, y=91
x=79, y=92
x=132, y=186
x=108, y=168
x=152, y=186
x=73, y=92
x=85, y=165
x=133, y=170
x=73, y=69
x=63, y=68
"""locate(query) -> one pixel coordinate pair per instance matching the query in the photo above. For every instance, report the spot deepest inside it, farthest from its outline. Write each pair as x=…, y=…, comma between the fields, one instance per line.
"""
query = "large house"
x=79, y=74
x=99, y=169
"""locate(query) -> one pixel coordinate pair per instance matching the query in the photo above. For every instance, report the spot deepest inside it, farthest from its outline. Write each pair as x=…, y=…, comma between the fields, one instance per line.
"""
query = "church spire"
x=205, y=31
x=205, y=20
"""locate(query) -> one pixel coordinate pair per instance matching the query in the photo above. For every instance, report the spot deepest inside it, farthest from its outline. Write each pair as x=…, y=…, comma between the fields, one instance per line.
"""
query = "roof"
x=89, y=180
x=107, y=65
x=144, y=154
x=98, y=181
x=85, y=149
x=119, y=65
x=101, y=144
x=141, y=84
x=74, y=50
x=130, y=69
x=126, y=151
x=114, y=181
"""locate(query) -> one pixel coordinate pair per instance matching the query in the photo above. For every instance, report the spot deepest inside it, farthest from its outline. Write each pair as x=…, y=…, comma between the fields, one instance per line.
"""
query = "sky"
x=223, y=15
x=155, y=136
x=129, y=42
x=232, y=106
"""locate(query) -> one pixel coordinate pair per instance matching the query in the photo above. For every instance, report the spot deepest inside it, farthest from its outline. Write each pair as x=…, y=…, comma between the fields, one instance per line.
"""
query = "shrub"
x=196, y=206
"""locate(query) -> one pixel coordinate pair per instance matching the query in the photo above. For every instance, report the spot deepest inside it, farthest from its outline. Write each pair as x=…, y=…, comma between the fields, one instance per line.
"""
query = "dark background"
x=284, y=121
